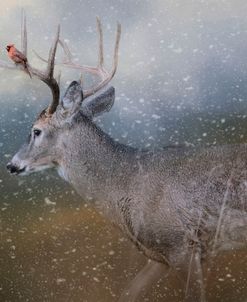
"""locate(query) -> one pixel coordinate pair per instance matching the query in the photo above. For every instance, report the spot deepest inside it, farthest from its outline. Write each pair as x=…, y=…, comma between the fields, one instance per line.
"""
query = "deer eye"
x=36, y=132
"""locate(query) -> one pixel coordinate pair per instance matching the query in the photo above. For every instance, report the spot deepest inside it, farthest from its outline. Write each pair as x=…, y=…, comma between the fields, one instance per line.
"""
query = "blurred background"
x=181, y=79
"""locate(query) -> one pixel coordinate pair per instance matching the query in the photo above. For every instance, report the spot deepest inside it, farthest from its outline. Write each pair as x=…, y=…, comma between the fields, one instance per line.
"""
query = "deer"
x=180, y=205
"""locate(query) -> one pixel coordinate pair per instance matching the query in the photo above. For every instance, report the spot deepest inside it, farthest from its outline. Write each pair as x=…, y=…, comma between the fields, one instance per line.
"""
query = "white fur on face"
x=30, y=168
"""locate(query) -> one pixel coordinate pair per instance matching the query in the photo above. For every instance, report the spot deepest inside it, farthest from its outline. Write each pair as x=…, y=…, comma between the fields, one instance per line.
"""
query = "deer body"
x=157, y=198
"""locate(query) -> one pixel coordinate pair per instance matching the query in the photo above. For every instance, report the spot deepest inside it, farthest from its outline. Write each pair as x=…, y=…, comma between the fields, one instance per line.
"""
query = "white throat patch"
x=62, y=173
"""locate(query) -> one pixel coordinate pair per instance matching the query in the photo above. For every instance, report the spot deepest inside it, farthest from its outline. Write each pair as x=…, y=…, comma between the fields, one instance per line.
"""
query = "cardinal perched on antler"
x=18, y=57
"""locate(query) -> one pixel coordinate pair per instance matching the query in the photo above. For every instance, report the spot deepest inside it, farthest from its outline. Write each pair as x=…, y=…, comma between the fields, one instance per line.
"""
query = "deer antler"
x=99, y=70
x=45, y=76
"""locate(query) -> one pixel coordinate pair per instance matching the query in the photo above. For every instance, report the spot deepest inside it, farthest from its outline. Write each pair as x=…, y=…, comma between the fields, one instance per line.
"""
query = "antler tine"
x=68, y=62
x=58, y=78
x=7, y=65
x=66, y=50
x=39, y=57
x=81, y=79
x=49, y=78
x=116, y=49
x=101, y=49
x=100, y=69
x=52, y=53
x=24, y=33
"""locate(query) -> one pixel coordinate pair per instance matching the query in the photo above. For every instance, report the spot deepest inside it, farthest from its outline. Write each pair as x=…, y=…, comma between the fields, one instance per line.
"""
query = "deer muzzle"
x=14, y=169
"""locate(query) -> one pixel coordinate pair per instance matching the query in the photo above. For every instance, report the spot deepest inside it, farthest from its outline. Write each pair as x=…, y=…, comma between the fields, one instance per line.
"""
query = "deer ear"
x=72, y=99
x=100, y=103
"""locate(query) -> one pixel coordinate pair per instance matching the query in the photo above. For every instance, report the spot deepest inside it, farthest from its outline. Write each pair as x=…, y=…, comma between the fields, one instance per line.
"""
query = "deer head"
x=45, y=142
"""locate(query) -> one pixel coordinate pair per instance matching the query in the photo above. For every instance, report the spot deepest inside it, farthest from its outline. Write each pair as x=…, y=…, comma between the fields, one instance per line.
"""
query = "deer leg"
x=199, y=273
x=150, y=273
x=195, y=287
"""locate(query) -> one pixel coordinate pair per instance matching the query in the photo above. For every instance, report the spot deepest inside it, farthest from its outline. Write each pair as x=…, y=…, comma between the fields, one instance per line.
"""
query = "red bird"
x=18, y=57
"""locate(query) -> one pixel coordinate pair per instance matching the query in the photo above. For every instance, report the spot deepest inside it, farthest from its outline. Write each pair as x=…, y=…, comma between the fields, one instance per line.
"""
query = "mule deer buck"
x=178, y=205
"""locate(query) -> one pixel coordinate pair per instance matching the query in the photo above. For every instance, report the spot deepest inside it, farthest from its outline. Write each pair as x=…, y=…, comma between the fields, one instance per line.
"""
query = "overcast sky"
x=174, y=55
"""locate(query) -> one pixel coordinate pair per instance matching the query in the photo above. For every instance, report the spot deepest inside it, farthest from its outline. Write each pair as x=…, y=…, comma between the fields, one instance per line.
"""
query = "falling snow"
x=181, y=80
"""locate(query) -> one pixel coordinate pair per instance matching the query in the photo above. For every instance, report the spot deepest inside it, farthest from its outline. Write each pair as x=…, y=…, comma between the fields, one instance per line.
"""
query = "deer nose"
x=12, y=168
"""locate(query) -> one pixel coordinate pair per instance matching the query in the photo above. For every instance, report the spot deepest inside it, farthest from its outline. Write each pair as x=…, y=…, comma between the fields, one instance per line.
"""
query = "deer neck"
x=99, y=168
